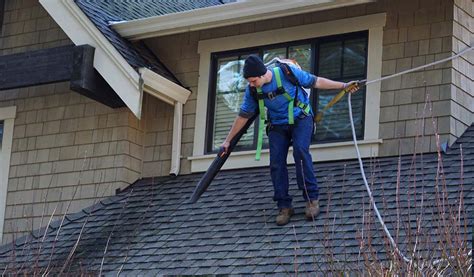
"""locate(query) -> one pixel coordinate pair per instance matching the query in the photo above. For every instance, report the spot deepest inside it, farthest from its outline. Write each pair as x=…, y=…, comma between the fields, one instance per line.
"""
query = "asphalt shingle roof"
x=150, y=229
x=126, y=10
x=137, y=54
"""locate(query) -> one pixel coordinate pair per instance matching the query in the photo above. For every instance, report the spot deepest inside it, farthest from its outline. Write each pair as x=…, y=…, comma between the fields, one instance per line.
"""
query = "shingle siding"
x=66, y=148
x=420, y=34
x=27, y=26
x=462, y=89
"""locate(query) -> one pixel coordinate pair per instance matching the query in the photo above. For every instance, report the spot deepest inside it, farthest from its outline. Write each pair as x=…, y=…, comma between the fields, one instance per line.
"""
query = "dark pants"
x=280, y=138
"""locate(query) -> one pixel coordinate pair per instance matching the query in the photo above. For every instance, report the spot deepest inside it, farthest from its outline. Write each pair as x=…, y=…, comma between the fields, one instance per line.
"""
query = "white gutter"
x=156, y=84
x=126, y=82
x=223, y=15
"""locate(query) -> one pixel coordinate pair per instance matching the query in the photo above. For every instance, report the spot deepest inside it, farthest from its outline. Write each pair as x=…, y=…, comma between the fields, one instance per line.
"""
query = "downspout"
x=175, y=95
x=177, y=133
x=141, y=84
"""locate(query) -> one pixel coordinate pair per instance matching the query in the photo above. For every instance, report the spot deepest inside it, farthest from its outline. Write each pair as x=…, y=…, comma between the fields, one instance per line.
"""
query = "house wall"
x=63, y=141
x=462, y=88
x=183, y=60
x=67, y=150
x=423, y=33
x=413, y=107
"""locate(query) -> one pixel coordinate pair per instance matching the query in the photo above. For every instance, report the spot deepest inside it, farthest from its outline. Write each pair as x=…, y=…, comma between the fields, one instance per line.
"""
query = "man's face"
x=256, y=82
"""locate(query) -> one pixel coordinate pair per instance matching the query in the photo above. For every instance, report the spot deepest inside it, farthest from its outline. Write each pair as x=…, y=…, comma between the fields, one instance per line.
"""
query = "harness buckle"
x=270, y=96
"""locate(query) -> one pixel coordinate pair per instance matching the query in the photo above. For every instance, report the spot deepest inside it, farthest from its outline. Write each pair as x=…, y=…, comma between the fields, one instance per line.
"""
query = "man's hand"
x=225, y=145
x=238, y=124
x=352, y=86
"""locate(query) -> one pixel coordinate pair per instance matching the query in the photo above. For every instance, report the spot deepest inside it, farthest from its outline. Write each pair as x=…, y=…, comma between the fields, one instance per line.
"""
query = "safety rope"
x=361, y=165
x=422, y=66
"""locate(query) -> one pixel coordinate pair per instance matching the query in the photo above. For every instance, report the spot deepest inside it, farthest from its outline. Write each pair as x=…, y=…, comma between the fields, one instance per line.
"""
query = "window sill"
x=320, y=152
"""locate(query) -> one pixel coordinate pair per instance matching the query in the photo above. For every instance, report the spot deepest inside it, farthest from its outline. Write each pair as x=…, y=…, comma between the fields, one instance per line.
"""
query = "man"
x=282, y=132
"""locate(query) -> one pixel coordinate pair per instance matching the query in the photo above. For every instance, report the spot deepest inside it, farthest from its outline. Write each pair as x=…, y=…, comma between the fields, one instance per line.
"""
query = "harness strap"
x=271, y=95
x=291, y=120
x=261, y=123
x=306, y=108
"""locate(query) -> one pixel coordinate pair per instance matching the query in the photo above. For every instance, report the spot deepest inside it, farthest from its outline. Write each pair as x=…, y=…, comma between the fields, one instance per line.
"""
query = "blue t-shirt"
x=277, y=108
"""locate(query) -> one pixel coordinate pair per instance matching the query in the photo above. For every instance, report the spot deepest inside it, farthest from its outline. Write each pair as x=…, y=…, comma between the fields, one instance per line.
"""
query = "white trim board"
x=373, y=23
x=155, y=84
x=319, y=152
x=223, y=15
x=8, y=115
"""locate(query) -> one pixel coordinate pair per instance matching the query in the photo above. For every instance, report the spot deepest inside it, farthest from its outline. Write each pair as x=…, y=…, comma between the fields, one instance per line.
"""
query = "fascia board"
x=107, y=60
x=223, y=15
x=163, y=88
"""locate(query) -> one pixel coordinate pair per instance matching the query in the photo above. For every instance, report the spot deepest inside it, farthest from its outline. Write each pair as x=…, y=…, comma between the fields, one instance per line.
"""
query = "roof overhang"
x=123, y=78
x=155, y=83
x=223, y=15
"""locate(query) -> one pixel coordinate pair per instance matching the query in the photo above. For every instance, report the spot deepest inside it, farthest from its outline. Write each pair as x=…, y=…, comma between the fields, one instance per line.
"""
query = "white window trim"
x=321, y=152
x=8, y=115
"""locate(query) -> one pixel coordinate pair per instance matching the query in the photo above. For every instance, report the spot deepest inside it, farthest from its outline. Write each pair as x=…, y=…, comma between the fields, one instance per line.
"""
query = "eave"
x=222, y=15
x=120, y=75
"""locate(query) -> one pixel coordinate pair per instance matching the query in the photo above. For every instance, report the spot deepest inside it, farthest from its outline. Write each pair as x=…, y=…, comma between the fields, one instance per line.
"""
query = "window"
x=340, y=58
x=331, y=143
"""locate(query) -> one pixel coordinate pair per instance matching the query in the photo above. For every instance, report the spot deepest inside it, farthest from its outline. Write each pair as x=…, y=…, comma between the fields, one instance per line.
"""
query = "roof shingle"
x=150, y=227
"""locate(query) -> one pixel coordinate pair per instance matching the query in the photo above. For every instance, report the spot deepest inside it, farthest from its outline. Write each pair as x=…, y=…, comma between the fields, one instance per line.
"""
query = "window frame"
x=369, y=146
x=314, y=69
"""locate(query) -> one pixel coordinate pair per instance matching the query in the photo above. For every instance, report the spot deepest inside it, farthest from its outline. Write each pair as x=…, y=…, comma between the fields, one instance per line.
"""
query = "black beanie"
x=254, y=67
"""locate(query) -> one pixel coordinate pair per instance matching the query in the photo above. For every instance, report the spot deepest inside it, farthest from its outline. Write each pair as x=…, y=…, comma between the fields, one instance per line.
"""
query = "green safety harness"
x=292, y=102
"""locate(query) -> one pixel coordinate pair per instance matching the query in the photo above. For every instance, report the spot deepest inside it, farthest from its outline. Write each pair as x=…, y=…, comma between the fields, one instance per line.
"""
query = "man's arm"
x=238, y=124
x=324, y=83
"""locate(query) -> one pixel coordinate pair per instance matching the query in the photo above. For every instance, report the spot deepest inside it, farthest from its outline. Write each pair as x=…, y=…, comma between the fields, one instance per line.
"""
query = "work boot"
x=312, y=209
x=284, y=216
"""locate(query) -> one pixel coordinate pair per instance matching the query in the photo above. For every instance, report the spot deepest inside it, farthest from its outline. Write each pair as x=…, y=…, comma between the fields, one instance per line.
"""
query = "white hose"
x=361, y=165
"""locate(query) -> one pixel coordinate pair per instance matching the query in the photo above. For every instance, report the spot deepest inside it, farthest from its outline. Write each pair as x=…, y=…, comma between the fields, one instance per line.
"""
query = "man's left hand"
x=352, y=86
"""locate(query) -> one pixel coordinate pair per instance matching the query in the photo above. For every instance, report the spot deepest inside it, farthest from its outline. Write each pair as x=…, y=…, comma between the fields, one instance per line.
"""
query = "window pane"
x=270, y=54
x=354, y=57
x=330, y=57
x=302, y=55
x=335, y=125
x=230, y=88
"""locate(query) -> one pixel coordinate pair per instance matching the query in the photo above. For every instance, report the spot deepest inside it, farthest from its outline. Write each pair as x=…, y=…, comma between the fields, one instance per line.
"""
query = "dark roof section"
x=126, y=10
x=150, y=229
x=136, y=54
